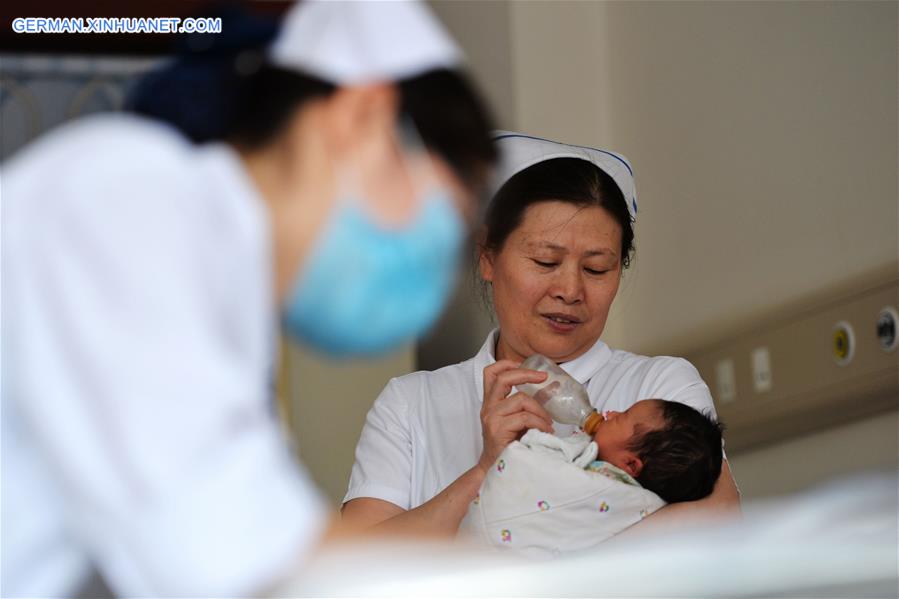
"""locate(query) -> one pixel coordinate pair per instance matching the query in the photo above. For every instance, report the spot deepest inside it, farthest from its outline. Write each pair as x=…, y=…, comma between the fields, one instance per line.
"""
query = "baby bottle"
x=563, y=397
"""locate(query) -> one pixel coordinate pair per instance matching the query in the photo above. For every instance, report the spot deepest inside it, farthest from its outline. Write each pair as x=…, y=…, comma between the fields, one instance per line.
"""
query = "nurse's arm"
x=724, y=502
x=439, y=517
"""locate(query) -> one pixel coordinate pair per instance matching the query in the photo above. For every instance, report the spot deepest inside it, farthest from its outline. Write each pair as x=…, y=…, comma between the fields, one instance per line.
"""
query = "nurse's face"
x=554, y=280
x=391, y=178
x=382, y=161
x=346, y=145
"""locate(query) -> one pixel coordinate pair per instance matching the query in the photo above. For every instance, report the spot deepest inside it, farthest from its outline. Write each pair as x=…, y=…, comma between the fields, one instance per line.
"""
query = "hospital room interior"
x=763, y=138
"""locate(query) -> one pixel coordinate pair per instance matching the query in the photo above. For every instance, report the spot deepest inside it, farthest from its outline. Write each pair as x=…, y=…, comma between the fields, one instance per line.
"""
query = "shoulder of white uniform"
x=96, y=160
x=423, y=384
x=108, y=145
x=655, y=364
x=128, y=130
x=140, y=142
x=447, y=374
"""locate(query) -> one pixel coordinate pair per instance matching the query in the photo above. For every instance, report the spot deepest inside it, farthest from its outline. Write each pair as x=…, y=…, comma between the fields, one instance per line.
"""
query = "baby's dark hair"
x=682, y=460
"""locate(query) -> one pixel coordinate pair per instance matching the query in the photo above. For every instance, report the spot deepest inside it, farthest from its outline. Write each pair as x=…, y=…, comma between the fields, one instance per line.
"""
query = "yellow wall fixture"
x=843, y=342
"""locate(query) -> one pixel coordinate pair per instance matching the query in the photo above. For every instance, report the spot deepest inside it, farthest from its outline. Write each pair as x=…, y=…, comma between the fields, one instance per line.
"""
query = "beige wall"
x=868, y=444
x=764, y=139
x=326, y=403
x=484, y=30
x=763, y=135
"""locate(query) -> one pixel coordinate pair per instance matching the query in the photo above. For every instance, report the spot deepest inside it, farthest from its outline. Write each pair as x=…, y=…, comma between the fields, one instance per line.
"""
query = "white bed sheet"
x=836, y=541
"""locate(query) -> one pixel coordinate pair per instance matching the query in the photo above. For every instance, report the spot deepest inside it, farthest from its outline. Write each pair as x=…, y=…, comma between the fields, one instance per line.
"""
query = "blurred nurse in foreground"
x=321, y=175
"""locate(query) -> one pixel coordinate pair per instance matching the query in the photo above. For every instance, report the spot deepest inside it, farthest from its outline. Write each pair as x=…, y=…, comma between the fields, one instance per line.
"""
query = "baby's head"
x=670, y=448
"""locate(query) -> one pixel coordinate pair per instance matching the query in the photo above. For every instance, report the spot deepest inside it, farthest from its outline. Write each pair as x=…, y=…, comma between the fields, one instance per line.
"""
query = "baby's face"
x=614, y=434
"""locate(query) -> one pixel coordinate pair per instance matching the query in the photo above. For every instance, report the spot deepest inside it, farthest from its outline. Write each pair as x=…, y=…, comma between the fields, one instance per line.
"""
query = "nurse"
x=557, y=236
x=145, y=274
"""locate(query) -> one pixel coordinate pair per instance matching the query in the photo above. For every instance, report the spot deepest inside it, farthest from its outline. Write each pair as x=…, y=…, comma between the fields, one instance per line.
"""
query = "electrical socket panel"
x=761, y=370
x=835, y=362
x=726, y=381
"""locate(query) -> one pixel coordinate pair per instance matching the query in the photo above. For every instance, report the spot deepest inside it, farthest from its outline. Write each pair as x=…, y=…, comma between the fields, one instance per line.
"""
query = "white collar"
x=581, y=368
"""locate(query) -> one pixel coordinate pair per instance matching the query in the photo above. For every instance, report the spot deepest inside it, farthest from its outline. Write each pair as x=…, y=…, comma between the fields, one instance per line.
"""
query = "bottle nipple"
x=591, y=423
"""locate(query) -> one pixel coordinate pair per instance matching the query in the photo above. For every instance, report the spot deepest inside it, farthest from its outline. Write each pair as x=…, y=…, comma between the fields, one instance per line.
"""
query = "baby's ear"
x=633, y=465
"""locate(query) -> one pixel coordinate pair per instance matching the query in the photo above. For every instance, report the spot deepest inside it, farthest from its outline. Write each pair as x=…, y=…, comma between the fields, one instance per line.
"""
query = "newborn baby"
x=546, y=496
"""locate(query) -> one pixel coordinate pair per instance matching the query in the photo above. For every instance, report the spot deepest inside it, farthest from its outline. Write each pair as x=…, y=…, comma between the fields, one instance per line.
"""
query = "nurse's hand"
x=505, y=417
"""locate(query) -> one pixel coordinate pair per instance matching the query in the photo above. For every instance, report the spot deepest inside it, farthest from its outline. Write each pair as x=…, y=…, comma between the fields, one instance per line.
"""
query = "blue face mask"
x=365, y=289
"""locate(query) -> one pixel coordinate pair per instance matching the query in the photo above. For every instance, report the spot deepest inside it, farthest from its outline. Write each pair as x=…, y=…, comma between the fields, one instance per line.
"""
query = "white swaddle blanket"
x=545, y=496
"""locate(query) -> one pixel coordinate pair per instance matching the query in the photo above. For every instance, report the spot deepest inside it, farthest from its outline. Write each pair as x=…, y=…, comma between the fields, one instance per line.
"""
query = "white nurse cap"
x=362, y=41
x=519, y=151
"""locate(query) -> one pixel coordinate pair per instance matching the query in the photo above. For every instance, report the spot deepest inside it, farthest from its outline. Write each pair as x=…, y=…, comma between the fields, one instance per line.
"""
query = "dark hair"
x=205, y=87
x=219, y=88
x=571, y=180
x=682, y=460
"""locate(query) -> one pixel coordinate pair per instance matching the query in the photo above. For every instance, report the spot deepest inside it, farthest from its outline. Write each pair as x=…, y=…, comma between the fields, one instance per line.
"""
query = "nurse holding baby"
x=557, y=236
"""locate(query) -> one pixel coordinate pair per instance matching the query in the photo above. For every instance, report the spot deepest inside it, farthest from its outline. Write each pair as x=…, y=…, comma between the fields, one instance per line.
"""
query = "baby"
x=668, y=447
x=547, y=496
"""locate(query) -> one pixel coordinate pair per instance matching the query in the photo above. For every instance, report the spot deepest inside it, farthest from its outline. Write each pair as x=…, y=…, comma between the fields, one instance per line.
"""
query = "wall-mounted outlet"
x=726, y=380
x=843, y=342
x=761, y=370
x=886, y=328
x=812, y=391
